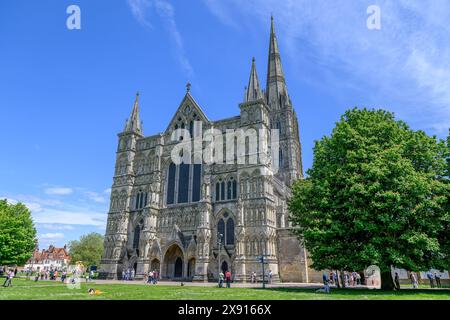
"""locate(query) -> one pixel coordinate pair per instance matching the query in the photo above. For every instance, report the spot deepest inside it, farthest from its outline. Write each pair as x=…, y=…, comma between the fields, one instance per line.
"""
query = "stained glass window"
x=183, y=183
x=171, y=184
x=230, y=231
x=217, y=191
x=221, y=229
x=196, y=182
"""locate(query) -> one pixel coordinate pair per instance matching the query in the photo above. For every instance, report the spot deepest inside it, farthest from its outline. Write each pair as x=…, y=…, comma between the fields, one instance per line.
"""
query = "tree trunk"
x=387, y=283
x=342, y=278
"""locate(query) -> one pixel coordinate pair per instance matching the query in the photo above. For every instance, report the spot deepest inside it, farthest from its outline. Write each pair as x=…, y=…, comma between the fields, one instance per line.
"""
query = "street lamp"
x=219, y=242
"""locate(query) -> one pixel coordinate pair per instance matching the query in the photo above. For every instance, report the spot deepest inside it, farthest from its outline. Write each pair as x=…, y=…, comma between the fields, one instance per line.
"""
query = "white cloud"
x=139, y=10
x=49, y=236
x=107, y=191
x=94, y=196
x=56, y=227
x=405, y=64
x=166, y=11
x=77, y=216
x=58, y=191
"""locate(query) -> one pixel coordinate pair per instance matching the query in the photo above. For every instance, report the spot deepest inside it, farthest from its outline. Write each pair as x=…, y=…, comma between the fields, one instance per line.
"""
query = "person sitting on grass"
x=325, y=289
x=93, y=291
x=326, y=284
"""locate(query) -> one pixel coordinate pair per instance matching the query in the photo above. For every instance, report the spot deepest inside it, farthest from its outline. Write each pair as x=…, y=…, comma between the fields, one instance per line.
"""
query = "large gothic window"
x=222, y=190
x=226, y=190
x=137, y=235
x=171, y=184
x=221, y=229
x=183, y=183
x=229, y=190
x=225, y=226
x=196, y=182
x=217, y=191
x=230, y=231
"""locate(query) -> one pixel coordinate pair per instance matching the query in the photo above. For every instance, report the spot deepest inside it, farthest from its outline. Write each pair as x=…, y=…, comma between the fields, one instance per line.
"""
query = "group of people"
x=435, y=279
x=152, y=277
x=253, y=277
x=128, y=275
x=225, y=276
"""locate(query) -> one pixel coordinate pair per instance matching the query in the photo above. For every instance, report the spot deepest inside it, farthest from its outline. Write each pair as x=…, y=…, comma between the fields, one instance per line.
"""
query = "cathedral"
x=190, y=219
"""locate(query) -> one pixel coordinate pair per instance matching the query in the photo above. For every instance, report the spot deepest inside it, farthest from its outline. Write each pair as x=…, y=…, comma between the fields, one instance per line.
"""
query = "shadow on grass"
x=359, y=291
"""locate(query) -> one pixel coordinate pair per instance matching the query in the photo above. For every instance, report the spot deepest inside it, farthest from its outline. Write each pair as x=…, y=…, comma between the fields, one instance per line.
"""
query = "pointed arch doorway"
x=173, y=263
x=224, y=266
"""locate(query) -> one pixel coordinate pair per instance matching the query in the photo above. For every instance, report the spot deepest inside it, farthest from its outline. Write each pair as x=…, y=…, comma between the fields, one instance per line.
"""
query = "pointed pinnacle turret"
x=134, y=122
x=253, y=91
x=276, y=85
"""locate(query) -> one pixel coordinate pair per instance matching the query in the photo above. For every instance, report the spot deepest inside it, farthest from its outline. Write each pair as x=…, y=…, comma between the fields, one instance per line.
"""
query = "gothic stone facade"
x=167, y=217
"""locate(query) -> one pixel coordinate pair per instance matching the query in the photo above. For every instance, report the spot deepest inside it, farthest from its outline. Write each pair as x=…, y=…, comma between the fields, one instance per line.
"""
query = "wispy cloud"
x=139, y=9
x=56, y=227
x=72, y=216
x=51, y=236
x=58, y=191
x=405, y=64
x=166, y=11
x=95, y=196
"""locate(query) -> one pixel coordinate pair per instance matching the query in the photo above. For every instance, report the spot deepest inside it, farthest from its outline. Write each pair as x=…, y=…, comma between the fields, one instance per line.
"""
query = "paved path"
x=213, y=284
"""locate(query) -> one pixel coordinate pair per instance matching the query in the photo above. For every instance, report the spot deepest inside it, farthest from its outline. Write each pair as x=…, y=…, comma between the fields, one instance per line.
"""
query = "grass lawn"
x=52, y=290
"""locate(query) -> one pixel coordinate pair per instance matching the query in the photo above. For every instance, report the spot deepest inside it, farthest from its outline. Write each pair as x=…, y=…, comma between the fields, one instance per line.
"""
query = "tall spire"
x=253, y=92
x=134, y=122
x=276, y=89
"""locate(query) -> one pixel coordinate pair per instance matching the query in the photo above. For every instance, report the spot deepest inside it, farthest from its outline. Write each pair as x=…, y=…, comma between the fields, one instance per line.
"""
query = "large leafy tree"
x=88, y=249
x=17, y=234
x=375, y=195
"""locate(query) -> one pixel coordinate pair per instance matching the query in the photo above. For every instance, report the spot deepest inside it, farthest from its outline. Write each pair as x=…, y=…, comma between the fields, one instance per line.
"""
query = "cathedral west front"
x=205, y=195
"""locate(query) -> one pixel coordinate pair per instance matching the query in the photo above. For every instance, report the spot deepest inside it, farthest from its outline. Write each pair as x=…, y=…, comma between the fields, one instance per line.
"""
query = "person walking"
x=221, y=277
x=150, y=277
x=8, y=280
x=253, y=277
x=325, y=278
x=397, y=281
x=228, y=278
x=155, y=276
x=430, y=278
x=270, y=275
x=437, y=277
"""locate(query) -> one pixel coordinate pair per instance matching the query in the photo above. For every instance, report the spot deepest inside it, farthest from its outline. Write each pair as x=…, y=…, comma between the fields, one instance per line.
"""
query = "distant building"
x=52, y=258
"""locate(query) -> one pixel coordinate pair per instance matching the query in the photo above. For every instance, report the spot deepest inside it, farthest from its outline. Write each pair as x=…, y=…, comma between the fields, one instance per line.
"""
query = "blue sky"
x=65, y=94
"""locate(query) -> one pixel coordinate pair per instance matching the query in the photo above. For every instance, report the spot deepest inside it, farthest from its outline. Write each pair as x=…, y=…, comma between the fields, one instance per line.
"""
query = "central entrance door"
x=224, y=266
x=178, y=268
x=173, y=263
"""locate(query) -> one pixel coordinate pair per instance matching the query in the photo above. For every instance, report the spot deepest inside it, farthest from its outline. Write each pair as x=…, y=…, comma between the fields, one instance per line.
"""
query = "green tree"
x=374, y=196
x=17, y=234
x=88, y=249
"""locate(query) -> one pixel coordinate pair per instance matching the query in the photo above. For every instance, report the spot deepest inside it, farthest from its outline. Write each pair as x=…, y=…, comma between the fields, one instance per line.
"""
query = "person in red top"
x=228, y=278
